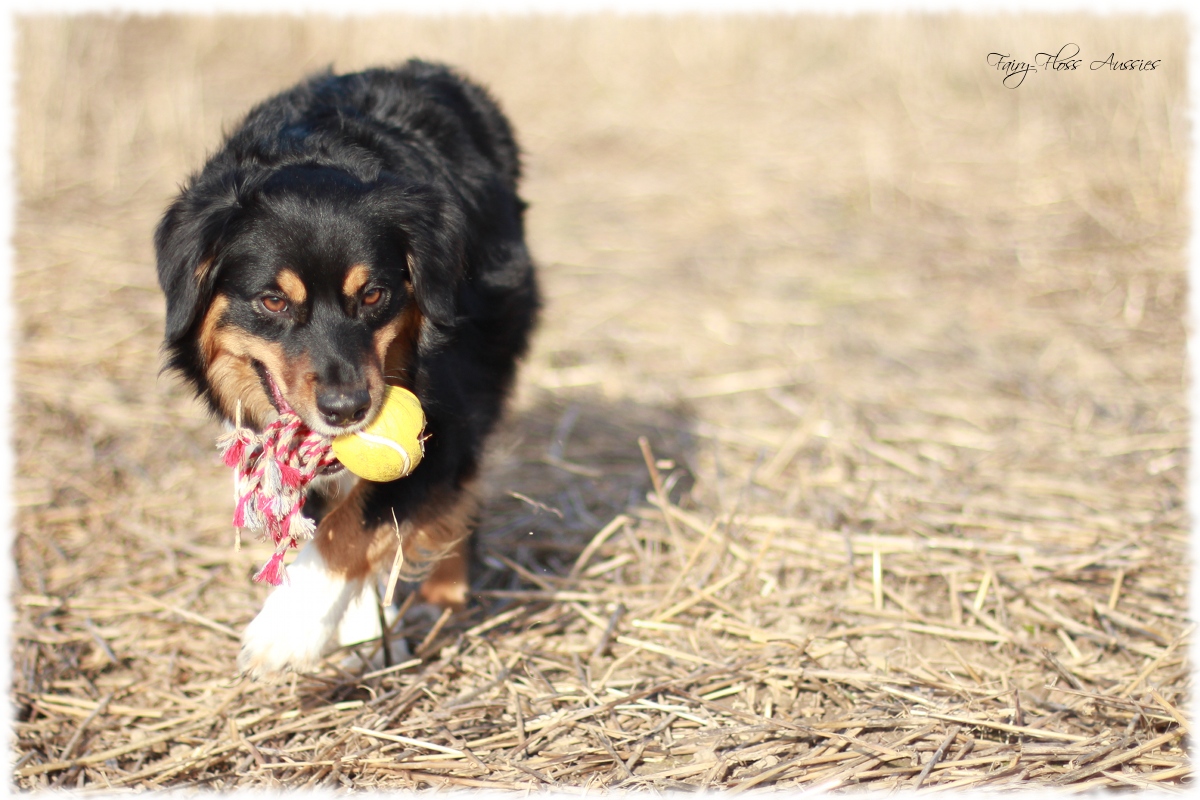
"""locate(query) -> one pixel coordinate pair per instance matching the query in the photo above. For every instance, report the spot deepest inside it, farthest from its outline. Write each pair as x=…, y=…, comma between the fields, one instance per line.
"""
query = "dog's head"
x=307, y=285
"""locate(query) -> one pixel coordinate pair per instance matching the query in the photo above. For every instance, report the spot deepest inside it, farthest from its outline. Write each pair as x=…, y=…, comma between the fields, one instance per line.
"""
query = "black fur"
x=412, y=171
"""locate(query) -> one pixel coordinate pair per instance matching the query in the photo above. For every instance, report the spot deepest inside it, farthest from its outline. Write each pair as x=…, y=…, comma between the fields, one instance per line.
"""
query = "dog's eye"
x=372, y=297
x=274, y=303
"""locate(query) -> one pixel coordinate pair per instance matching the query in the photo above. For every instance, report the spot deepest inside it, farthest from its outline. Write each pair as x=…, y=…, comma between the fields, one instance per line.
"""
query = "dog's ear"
x=187, y=244
x=432, y=231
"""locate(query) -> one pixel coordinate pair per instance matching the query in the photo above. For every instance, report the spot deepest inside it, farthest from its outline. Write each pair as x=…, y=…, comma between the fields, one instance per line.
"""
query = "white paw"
x=299, y=618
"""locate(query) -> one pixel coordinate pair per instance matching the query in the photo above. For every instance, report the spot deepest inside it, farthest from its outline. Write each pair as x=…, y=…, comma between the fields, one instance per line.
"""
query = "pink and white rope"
x=271, y=473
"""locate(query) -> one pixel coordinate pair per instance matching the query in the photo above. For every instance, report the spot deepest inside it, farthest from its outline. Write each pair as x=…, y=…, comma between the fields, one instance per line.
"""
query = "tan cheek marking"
x=208, y=328
x=396, y=342
x=295, y=378
x=392, y=348
x=227, y=353
x=232, y=379
x=230, y=376
x=292, y=286
x=237, y=343
x=356, y=278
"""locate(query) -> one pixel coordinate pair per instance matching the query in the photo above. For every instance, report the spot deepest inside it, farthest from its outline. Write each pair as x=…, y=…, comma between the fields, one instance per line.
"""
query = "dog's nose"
x=343, y=407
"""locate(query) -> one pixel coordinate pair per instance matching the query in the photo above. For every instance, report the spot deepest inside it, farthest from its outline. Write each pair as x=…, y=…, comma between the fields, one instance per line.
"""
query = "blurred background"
x=835, y=271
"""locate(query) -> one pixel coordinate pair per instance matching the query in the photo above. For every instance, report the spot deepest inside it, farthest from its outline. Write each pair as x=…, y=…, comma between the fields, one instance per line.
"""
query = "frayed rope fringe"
x=271, y=472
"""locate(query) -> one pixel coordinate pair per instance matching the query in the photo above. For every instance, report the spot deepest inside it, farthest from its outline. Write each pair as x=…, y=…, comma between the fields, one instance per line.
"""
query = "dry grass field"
x=906, y=348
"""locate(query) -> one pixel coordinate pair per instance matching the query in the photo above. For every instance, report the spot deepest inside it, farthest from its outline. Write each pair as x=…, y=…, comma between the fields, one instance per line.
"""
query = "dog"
x=354, y=232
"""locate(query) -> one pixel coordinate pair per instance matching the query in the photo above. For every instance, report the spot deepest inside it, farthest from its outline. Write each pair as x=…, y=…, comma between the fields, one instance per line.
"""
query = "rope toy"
x=271, y=473
x=272, y=470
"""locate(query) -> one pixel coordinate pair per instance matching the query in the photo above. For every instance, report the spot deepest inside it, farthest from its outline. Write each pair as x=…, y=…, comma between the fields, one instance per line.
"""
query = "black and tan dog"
x=355, y=232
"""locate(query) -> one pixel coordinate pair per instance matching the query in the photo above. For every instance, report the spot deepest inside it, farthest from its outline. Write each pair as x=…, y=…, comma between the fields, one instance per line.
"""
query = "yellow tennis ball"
x=390, y=447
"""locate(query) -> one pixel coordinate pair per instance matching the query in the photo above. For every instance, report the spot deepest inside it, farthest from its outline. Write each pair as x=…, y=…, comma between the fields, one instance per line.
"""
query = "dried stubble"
x=906, y=347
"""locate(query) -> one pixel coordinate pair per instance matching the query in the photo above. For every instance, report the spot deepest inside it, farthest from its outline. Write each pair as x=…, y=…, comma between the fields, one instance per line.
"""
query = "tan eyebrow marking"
x=292, y=286
x=356, y=278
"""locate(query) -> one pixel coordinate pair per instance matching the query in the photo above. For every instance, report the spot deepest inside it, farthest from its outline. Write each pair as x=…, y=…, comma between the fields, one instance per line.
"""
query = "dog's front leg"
x=301, y=616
